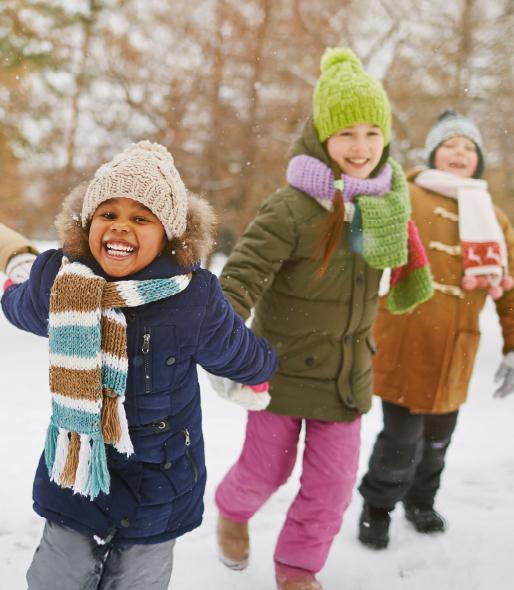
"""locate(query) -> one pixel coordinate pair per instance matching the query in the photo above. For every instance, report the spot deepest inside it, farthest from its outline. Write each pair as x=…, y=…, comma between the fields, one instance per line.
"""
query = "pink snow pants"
x=329, y=470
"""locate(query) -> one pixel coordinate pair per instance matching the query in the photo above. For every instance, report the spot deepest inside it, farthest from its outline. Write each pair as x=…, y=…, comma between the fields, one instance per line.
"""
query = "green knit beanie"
x=346, y=95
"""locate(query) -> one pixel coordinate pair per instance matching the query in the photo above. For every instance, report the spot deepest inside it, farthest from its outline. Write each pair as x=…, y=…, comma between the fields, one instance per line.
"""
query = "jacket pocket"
x=463, y=358
x=180, y=466
x=313, y=355
x=158, y=353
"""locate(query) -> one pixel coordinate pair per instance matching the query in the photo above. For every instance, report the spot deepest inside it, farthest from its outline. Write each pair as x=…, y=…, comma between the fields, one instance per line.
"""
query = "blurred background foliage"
x=226, y=84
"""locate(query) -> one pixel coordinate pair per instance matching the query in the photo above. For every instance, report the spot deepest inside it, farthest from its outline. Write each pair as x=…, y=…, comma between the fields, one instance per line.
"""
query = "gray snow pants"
x=68, y=560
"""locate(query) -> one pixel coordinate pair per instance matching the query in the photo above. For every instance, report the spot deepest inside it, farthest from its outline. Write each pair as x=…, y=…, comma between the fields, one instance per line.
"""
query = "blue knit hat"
x=450, y=124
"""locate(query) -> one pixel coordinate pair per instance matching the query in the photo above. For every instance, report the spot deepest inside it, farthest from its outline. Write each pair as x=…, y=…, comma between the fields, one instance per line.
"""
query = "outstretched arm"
x=228, y=348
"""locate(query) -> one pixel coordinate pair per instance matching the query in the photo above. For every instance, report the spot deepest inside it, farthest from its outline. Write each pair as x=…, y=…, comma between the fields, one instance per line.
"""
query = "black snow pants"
x=408, y=457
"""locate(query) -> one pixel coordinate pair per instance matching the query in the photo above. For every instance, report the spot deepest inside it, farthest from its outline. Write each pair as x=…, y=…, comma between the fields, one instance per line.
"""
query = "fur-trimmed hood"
x=194, y=245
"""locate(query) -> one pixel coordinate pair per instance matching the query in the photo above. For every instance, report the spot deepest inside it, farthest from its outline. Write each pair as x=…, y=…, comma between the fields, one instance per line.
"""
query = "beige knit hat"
x=145, y=172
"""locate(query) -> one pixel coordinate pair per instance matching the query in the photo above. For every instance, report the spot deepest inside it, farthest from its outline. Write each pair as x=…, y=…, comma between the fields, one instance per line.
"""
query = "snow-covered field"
x=476, y=553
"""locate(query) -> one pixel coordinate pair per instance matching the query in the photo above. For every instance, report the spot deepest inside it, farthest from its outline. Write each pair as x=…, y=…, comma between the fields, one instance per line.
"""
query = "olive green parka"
x=320, y=327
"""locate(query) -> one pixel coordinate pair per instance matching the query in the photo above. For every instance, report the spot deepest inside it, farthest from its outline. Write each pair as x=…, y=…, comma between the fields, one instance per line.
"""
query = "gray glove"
x=19, y=265
x=505, y=373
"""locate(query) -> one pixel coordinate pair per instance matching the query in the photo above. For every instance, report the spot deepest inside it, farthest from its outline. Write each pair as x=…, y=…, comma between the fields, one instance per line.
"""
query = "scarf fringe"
x=82, y=474
x=99, y=478
x=124, y=444
x=50, y=446
x=61, y=453
x=111, y=426
x=72, y=460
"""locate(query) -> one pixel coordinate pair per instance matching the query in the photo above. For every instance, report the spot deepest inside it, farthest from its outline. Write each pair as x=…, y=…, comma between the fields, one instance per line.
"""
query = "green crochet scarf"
x=384, y=223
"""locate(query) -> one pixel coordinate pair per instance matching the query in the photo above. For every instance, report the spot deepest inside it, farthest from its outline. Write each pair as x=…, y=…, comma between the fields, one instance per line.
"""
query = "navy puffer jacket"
x=156, y=494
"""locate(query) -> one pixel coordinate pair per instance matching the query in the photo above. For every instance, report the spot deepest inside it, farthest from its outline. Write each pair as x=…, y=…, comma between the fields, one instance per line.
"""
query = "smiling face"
x=357, y=150
x=457, y=155
x=125, y=236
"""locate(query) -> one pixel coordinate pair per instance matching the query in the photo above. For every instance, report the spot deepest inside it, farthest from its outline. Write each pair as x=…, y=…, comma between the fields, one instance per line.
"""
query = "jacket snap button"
x=347, y=339
x=125, y=522
x=167, y=465
x=171, y=360
x=349, y=400
x=309, y=361
x=360, y=279
x=131, y=316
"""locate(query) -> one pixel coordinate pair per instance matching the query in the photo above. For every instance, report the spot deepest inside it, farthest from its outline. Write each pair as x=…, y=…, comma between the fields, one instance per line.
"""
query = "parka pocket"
x=315, y=355
x=158, y=356
x=180, y=467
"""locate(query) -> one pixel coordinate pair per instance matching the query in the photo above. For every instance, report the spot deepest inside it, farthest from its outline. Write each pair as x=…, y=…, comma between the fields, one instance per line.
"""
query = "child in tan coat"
x=424, y=360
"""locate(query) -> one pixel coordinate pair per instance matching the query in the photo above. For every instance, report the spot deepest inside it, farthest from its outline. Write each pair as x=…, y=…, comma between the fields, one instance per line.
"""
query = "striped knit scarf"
x=88, y=372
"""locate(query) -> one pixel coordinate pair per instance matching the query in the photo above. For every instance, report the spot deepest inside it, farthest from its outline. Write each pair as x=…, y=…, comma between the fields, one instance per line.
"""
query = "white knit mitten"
x=19, y=265
x=239, y=394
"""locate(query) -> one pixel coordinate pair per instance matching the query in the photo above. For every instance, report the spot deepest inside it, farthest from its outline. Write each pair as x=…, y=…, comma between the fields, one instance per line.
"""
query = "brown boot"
x=233, y=543
x=293, y=578
x=308, y=583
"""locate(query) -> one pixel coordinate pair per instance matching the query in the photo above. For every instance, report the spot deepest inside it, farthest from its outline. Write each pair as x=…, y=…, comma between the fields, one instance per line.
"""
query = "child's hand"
x=250, y=397
x=18, y=267
x=7, y=284
x=505, y=372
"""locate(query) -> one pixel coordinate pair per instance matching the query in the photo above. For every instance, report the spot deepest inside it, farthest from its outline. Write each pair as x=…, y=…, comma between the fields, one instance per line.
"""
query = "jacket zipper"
x=187, y=443
x=145, y=349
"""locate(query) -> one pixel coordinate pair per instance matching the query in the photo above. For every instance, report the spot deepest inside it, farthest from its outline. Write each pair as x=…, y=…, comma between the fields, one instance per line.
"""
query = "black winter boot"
x=424, y=518
x=374, y=527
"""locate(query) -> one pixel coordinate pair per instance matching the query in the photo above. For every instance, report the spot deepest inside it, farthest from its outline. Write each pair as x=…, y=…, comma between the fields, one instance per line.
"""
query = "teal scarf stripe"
x=114, y=379
x=158, y=289
x=75, y=420
x=80, y=341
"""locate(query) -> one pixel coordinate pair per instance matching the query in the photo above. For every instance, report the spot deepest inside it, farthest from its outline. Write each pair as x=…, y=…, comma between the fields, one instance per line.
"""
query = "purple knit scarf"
x=315, y=178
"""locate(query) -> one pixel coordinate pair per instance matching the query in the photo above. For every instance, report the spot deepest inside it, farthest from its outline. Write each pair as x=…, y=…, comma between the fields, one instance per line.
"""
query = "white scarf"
x=483, y=246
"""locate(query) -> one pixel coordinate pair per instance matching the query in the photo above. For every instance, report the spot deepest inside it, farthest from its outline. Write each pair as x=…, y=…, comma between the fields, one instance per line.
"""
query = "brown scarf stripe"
x=114, y=339
x=112, y=298
x=76, y=384
x=83, y=300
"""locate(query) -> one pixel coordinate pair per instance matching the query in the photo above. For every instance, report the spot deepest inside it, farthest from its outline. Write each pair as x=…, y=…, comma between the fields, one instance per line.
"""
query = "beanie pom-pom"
x=337, y=55
x=447, y=114
x=157, y=148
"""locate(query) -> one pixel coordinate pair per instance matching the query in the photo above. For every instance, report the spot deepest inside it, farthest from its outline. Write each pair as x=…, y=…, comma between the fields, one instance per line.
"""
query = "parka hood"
x=307, y=143
x=187, y=250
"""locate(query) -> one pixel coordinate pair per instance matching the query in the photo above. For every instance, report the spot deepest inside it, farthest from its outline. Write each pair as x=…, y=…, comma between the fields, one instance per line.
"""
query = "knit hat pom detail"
x=447, y=114
x=152, y=147
x=339, y=55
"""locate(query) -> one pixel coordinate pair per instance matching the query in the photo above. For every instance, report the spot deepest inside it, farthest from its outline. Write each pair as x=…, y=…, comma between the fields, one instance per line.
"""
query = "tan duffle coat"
x=425, y=358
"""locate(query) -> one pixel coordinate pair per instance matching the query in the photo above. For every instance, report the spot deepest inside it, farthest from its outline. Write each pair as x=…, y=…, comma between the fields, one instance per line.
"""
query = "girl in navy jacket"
x=129, y=314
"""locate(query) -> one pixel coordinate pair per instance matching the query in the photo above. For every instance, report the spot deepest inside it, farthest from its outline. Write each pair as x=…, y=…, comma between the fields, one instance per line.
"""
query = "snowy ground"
x=478, y=487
